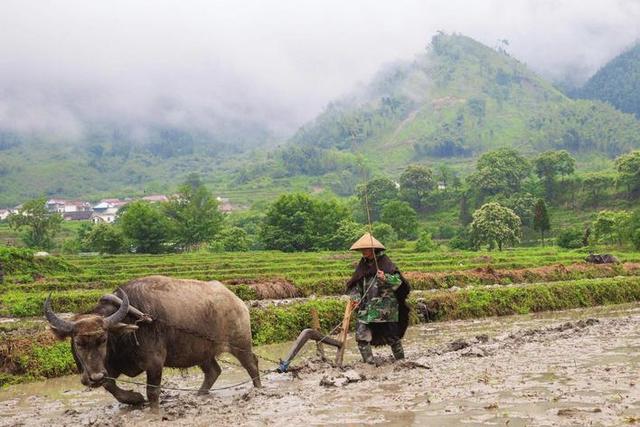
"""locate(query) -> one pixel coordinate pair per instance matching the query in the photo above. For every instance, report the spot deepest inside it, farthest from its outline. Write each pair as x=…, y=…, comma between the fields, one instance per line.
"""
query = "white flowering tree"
x=494, y=224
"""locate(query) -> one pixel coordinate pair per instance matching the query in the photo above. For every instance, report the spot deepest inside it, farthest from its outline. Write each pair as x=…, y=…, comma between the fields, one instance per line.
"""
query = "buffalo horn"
x=64, y=326
x=119, y=315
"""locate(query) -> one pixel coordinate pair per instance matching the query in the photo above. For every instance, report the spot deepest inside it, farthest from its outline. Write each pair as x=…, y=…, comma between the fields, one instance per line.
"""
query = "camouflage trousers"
x=364, y=337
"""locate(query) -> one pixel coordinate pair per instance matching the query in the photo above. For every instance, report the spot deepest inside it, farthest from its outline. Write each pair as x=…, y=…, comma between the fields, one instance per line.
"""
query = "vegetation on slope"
x=617, y=82
x=457, y=100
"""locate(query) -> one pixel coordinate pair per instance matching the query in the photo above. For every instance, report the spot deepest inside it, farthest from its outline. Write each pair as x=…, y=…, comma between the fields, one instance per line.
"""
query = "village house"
x=4, y=213
x=64, y=206
x=77, y=216
x=106, y=210
x=224, y=205
x=116, y=203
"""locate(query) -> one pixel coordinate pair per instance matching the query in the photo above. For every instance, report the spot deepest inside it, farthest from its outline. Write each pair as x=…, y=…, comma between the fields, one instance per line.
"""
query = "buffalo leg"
x=249, y=362
x=211, y=372
x=123, y=396
x=154, y=378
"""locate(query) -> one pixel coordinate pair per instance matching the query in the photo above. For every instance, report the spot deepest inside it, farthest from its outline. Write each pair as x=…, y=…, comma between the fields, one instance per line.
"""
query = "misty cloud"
x=202, y=64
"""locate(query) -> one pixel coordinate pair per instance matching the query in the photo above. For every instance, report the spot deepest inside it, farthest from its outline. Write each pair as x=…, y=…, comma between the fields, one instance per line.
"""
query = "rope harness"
x=283, y=366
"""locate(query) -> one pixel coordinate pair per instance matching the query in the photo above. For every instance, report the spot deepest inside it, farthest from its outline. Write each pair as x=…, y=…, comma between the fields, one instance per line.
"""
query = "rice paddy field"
x=281, y=288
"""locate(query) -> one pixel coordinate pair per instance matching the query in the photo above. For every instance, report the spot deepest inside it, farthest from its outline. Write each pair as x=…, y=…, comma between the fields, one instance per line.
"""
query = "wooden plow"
x=320, y=339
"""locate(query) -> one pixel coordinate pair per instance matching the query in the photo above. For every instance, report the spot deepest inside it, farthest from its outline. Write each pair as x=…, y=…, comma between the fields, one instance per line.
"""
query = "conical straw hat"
x=367, y=241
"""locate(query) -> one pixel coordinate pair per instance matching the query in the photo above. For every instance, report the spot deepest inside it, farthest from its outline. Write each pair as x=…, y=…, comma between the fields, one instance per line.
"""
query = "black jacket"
x=367, y=269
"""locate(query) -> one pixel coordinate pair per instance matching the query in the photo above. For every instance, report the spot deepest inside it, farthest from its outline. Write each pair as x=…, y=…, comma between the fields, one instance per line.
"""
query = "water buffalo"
x=193, y=322
x=602, y=259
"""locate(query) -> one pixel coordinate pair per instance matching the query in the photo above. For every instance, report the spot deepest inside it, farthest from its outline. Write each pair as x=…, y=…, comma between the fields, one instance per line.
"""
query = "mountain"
x=451, y=103
x=113, y=159
x=617, y=83
x=457, y=100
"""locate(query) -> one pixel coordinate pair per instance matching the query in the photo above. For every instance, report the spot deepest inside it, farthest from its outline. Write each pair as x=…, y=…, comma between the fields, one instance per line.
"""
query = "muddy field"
x=577, y=367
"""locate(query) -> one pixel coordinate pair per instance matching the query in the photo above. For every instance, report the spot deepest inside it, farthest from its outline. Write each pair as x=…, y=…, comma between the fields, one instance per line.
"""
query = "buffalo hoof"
x=131, y=398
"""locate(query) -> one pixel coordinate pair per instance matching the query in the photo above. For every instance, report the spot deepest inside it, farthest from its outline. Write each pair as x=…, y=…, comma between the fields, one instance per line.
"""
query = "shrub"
x=445, y=231
x=571, y=238
x=21, y=261
x=424, y=242
x=215, y=246
x=462, y=240
x=233, y=239
x=106, y=239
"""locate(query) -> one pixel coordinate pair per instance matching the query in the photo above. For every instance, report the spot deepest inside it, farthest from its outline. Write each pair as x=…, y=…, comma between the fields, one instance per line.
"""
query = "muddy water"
x=576, y=367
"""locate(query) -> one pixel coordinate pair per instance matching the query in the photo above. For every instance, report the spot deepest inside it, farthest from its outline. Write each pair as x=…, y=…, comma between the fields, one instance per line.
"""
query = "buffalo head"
x=89, y=334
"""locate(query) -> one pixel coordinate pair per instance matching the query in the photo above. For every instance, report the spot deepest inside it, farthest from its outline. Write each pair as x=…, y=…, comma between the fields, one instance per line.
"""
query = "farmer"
x=378, y=292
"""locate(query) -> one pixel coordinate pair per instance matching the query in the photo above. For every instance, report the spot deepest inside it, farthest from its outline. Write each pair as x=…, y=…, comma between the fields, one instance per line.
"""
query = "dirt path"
x=577, y=367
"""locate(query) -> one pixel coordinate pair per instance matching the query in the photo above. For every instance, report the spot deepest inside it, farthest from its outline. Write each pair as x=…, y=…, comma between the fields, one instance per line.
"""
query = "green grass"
x=76, y=282
x=544, y=278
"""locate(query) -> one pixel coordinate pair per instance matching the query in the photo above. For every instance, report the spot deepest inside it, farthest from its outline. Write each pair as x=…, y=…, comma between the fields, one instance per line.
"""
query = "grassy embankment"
x=448, y=285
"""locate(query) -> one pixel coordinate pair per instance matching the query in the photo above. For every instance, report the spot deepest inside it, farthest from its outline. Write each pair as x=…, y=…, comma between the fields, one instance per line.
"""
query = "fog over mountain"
x=201, y=65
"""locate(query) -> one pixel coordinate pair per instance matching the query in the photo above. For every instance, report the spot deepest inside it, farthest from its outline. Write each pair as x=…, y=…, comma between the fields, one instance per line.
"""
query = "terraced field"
x=281, y=288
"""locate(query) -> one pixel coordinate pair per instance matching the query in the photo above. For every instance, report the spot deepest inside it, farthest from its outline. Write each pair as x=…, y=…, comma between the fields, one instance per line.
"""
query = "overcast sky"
x=184, y=62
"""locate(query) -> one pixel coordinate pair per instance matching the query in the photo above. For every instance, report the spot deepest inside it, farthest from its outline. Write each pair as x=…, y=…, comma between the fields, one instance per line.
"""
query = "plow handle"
x=344, y=333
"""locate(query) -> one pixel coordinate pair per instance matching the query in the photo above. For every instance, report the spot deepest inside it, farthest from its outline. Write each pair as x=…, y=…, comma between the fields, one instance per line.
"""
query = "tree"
x=612, y=226
x=194, y=213
x=549, y=165
x=571, y=187
x=298, y=222
x=634, y=229
x=106, y=239
x=499, y=172
x=494, y=224
x=594, y=186
x=447, y=177
x=40, y=224
x=415, y=183
x=384, y=233
x=541, y=219
x=402, y=218
x=348, y=232
x=628, y=167
x=465, y=216
x=146, y=226
x=522, y=204
x=377, y=191
x=81, y=236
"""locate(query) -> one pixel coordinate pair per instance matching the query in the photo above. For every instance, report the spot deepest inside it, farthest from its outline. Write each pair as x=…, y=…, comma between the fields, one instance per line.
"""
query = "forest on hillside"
x=617, y=82
x=455, y=101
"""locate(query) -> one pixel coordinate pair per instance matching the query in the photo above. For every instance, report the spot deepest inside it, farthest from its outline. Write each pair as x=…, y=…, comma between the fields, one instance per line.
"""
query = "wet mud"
x=578, y=367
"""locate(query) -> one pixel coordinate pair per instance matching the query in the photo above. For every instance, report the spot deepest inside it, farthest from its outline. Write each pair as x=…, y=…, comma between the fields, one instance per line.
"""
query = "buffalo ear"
x=60, y=334
x=123, y=328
